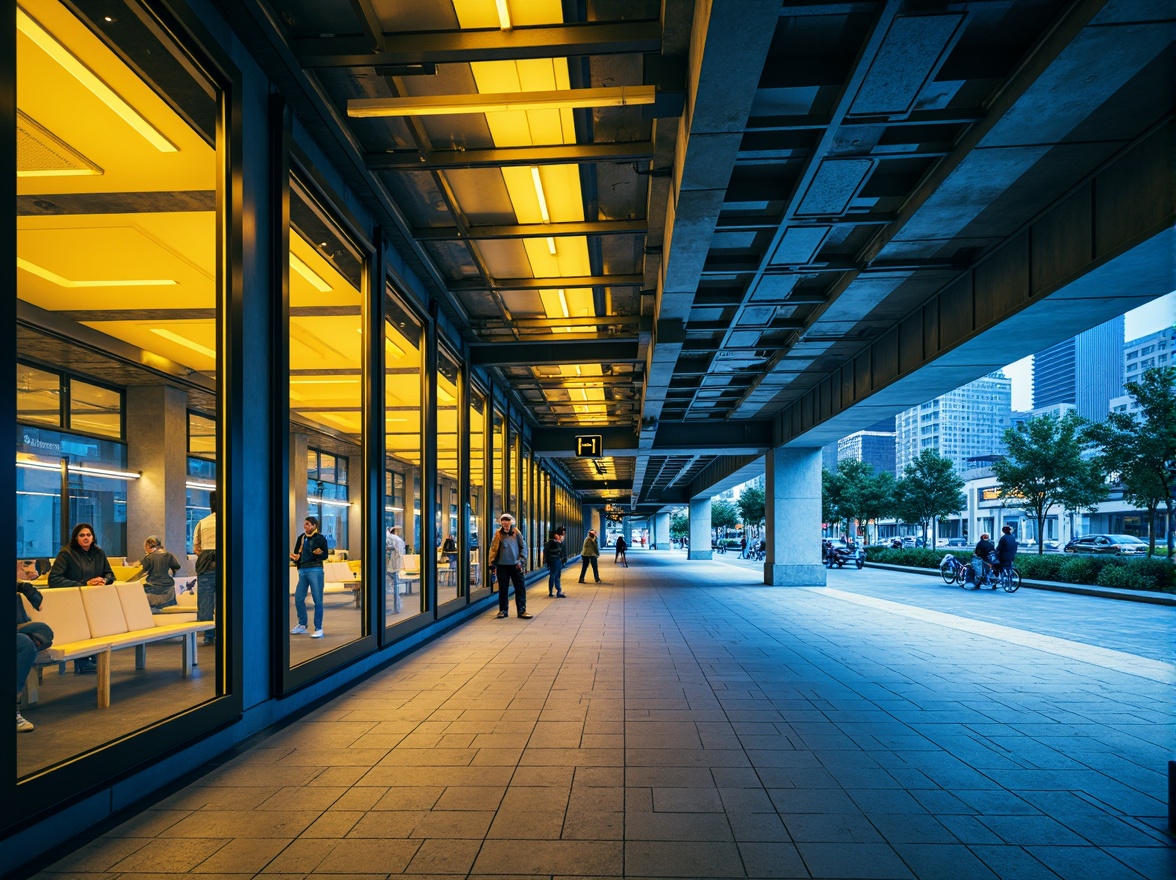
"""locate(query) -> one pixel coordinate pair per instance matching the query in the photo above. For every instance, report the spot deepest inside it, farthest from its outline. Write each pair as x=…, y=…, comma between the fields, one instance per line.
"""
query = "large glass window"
x=118, y=278
x=451, y=543
x=404, y=368
x=497, y=476
x=326, y=363
x=477, y=486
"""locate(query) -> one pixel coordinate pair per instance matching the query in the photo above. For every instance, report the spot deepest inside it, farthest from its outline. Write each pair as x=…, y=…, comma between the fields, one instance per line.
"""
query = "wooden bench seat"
x=93, y=621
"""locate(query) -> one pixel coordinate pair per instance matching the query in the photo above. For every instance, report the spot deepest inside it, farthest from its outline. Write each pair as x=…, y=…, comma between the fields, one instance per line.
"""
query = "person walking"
x=310, y=550
x=622, y=546
x=589, y=554
x=507, y=552
x=204, y=546
x=554, y=557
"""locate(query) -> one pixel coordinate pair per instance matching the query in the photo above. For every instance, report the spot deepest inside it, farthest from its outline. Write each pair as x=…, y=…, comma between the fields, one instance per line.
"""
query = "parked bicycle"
x=952, y=570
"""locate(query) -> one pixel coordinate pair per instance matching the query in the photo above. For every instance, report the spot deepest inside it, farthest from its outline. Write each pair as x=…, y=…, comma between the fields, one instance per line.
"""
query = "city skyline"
x=1156, y=315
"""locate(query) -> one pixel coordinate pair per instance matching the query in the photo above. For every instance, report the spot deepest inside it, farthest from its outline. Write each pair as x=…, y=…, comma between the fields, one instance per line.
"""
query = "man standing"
x=507, y=552
x=396, y=549
x=309, y=552
x=1006, y=549
x=589, y=555
x=204, y=546
x=553, y=555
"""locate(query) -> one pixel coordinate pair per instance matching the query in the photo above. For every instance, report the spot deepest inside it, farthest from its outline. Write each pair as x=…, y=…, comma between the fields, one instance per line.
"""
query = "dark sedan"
x=1117, y=544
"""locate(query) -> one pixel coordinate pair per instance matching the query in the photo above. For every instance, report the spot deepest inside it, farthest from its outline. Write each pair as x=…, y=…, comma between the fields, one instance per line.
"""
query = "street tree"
x=929, y=489
x=723, y=516
x=1045, y=467
x=830, y=498
x=877, y=499
x=679, y=525
x=752, y=505
x=856, y=491
x=1141, y=449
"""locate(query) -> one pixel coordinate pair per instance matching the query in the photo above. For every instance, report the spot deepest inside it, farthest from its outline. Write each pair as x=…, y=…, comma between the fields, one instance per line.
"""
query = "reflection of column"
x=661, y=530
x=793, y=493
x=411, y=506
x=298, y=508
x=700, y=528
x=594, y=513
x=157, y=446
x=354, y=546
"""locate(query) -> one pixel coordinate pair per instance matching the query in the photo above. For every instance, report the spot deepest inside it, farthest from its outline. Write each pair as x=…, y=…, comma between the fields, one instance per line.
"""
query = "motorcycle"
x=844, y=555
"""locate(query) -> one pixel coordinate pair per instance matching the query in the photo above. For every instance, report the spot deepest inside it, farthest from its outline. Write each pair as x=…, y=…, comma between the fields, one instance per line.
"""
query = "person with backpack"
x=508, y=551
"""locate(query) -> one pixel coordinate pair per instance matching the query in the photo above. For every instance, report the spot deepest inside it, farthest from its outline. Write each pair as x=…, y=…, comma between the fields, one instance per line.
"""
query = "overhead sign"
x=589, y=445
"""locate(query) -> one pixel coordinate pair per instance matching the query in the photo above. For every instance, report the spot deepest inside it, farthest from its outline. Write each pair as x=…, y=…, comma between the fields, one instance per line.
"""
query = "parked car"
x=953, y=542
x=1118, y=544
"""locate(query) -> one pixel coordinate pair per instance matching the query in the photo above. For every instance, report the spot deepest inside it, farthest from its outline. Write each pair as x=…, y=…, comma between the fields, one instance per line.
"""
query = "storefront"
x=216, y=347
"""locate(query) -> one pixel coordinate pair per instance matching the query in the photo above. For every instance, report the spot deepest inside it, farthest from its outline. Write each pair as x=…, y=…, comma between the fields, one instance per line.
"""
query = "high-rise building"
x=1139, y=355
x=875, y=448
x=959, y=425
x=1086, y=371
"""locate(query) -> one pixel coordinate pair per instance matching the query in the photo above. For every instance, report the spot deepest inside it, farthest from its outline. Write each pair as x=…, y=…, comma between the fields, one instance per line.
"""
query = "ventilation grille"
x=40, y=153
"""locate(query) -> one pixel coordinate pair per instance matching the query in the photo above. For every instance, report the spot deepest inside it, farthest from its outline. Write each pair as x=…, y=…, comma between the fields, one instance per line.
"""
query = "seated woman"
x=982, y=556
x=158, y=567
x=81, y=562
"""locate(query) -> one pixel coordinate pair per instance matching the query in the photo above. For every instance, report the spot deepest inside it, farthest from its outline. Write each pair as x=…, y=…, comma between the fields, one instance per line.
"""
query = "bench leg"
x=104, y=680
x=187, y=652
x=31, y=695
x=140, y=656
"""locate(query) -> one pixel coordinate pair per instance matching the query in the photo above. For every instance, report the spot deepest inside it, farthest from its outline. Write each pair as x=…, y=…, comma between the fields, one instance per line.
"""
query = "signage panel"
x=589, y=446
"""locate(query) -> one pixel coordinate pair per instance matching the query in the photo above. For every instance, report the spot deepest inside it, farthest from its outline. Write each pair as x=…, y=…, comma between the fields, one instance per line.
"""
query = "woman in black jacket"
x=81, y=563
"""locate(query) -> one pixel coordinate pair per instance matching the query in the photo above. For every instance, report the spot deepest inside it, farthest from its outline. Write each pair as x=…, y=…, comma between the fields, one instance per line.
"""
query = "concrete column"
x=354, y=546
x=700, y=529
x=661, y=530
x=793, y=493
x=157, y=447
x=596, y=523
x=298, y=510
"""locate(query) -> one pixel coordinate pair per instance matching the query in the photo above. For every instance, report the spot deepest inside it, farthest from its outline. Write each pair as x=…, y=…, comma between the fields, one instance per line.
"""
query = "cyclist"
x=1006, y=550
x=982, y=557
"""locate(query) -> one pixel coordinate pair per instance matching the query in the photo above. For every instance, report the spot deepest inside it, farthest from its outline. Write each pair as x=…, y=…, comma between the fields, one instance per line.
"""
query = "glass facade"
x=214, y=384
x=119, y=285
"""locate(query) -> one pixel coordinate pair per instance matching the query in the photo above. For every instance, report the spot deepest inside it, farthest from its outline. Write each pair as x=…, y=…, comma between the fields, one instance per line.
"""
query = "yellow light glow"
x=551, y=245
x=445, y=396
x=503, y=14
x=53, y=278
x=392, y=348
x=543, y=212
x=563, y=303
x=316, y=280
x=343, y=380
x=63, y=172
x=49, y=45
x=187, y=343
x=500, y=102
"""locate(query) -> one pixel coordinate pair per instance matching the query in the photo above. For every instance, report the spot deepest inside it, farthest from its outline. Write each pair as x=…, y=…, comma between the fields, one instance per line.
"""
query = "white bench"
x=338, y=579
x=93, y=621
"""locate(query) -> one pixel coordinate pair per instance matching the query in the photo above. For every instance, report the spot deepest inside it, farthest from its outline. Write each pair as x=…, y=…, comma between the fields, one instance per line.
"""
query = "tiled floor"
x=674, y=722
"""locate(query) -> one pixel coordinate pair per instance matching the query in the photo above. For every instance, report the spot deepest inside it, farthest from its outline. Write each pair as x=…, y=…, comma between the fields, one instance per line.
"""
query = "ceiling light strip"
x=53, y=278
x=316, y=280
x=73, y=66
x=558, y=99
x=35, y=465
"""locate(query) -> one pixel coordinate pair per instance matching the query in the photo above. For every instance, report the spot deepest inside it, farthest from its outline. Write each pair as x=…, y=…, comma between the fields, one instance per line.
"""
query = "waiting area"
x=682, y=720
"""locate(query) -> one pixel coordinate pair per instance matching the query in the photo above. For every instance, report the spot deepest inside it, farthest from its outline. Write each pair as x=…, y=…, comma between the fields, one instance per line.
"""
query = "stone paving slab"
x=680, y=720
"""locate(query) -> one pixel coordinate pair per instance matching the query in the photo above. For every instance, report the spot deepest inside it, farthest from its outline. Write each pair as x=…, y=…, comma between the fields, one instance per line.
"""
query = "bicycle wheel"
x=967, y=584
x=1011, y=580
x=950, y=575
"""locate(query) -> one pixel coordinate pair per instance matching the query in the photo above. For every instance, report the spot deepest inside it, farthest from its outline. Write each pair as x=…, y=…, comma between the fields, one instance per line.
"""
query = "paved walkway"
x=673, y=722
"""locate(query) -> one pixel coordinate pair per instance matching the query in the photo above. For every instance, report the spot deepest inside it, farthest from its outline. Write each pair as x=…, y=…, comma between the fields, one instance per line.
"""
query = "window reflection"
x=117, y=248
x=477, y=475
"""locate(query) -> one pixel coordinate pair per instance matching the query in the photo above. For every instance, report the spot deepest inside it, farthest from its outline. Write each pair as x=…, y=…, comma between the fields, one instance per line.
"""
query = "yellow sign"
x=589, y=446
x=992, y=494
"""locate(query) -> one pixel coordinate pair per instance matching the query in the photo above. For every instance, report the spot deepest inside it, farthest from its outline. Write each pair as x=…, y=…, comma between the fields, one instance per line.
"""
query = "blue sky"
x=1156, y=315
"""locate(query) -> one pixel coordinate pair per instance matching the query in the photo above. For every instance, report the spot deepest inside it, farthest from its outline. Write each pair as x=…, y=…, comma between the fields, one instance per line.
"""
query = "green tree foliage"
x=723, y=515
x=752, y=505
x=830, y=497
x=679, y=525
x=1045, y=467
x=929, y=490
x=856, y=492
x=1141, y=449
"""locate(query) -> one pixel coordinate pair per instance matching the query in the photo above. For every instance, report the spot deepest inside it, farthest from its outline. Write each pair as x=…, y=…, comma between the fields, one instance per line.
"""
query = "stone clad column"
x=157, y=446
x=700, y=529
x=793, y=495
x=661, y=530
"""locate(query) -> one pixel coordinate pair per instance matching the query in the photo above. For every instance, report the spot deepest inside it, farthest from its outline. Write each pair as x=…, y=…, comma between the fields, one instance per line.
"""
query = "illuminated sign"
x=992, y=494
x=589, y=446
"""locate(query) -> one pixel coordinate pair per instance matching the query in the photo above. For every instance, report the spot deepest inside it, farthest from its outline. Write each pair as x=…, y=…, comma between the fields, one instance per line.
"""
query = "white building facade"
x=965, y=423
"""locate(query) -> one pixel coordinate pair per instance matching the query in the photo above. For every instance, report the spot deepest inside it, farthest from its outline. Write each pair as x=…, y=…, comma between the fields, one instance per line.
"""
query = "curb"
x=1056, y=587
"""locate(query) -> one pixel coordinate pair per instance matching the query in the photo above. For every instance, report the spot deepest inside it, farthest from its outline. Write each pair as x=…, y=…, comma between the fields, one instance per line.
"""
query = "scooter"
x=842, y=556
